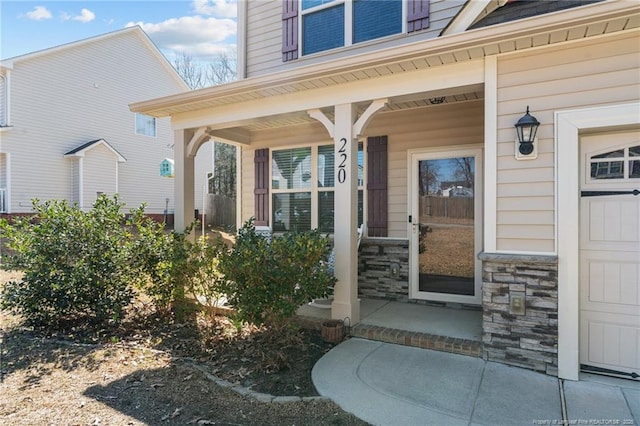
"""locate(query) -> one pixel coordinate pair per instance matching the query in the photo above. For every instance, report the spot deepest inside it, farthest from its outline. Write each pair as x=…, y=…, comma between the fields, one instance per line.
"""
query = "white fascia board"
x=429, y=79
x=467, y=16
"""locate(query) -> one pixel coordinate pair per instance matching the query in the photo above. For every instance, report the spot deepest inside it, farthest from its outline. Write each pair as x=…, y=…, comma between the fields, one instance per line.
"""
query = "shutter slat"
x=261, y=187
x=417, y=15
x=289, y=30
x=377, y=210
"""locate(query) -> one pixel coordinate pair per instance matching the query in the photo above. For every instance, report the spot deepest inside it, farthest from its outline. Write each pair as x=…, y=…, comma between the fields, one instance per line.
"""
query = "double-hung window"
x=328, y=24
x=302, y=187
x=145, y=125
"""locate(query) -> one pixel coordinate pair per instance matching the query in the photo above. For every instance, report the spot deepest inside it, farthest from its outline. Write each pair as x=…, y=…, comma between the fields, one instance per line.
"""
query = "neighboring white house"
x=66, y=131
x=399, y=89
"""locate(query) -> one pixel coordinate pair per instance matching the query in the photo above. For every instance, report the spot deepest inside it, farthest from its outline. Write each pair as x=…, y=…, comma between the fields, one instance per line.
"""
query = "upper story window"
x=327, y=24
x=145, y=125
x=330, y=24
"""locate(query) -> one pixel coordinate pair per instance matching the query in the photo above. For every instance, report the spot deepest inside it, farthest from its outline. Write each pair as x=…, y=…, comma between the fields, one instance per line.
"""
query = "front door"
x=445, y=225
x=610, y=253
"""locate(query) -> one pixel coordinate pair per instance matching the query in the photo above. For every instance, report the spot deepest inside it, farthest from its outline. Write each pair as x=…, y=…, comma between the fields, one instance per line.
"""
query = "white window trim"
x=348, y=24
x=314, y=189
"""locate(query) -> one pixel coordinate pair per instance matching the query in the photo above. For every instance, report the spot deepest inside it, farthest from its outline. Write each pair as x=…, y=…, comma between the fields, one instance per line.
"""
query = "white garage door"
x=610, y=253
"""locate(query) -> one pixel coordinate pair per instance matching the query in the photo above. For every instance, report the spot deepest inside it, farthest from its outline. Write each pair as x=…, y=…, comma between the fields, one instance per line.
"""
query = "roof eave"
x=161, y=107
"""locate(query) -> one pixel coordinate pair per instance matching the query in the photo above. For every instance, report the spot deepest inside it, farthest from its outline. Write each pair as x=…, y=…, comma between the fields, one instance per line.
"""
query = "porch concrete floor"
x=410, y=324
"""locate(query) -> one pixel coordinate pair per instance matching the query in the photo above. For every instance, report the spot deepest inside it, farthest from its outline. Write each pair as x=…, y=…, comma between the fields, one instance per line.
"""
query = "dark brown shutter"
x=377, y=186
x=417, y=15
x=261, y=187
x=289, y=30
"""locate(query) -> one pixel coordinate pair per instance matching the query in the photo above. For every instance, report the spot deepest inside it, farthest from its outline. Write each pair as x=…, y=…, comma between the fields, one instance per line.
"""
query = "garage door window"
x=622, y=163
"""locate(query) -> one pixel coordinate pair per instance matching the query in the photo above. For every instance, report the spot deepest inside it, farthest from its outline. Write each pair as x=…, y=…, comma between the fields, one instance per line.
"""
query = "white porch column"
x=345, y=299
x=183, y=182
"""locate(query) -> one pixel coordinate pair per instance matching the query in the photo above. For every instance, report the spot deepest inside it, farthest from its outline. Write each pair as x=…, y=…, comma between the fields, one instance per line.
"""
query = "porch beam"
x=183, y=182
x=235, y=136
x=345, y=299
x=425, y=80
x=367, y=115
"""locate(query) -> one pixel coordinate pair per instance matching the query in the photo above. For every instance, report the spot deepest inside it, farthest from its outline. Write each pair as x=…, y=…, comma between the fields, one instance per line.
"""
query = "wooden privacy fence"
x=450, y=207
x=221, y=210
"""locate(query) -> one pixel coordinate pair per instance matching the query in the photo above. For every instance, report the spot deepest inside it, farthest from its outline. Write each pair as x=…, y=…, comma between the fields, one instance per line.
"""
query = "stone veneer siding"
x=375, y=260
x=525, y=338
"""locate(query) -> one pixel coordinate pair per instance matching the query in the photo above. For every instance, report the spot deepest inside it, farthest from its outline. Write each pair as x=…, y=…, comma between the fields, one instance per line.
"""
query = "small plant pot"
x=333, y=331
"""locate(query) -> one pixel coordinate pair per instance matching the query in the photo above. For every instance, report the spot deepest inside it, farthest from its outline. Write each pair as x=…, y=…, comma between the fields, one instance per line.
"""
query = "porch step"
x=419, y=340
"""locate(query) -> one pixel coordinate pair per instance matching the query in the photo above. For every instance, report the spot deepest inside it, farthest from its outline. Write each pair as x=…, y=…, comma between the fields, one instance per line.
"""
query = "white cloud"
x=39, y=13
x=85, y=16
x=194, y=35
x=218, y=8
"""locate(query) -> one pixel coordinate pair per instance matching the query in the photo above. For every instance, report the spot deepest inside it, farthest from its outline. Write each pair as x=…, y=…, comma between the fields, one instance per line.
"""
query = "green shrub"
x=76, y=264
x=267, y=282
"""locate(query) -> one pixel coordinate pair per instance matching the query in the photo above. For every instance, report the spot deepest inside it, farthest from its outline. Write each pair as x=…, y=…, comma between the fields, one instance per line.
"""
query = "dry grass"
x=448, y=251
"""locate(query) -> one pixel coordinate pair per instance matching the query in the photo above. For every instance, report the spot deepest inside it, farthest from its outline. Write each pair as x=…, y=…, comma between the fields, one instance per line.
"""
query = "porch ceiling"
x=572, y=24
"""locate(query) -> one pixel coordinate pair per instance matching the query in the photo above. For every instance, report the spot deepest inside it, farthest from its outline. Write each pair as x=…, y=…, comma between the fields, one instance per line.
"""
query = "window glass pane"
x=292, y=211
x=634, y=169
x=308, y=4
x=360, y=165
x=607, y=170
x=291, y=168
x=325, y=211
x=634, y=151
x=326, y=164
x=323, y=30
x=360, y=207
x=145, y=125
x=612, y=154
x=374, y=19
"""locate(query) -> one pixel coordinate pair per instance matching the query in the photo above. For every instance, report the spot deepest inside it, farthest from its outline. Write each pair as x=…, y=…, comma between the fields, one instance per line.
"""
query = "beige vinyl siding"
x=576, y=75
x=264, y=37
x=67, y=97
x=435, y=126
x=100, y=174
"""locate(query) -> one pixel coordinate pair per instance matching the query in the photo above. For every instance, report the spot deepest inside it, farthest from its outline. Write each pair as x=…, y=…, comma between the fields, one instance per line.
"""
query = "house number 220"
x=342, y=165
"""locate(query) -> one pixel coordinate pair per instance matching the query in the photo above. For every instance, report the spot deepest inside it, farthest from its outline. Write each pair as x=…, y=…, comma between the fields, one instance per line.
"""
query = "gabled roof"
x=484, y=13
x=82, y=149
x=520, y=9
x=9, y=62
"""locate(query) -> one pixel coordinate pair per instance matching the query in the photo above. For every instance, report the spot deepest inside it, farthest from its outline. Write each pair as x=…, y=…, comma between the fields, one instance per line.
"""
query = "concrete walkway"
x=387, y=384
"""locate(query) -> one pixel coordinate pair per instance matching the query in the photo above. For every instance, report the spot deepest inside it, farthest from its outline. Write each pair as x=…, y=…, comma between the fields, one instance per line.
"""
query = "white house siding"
x=428, y=127
x=67, y=97
x=3, y=100
x=264, y=37
x=202, y=166
x=100, y=168
x=577, y=75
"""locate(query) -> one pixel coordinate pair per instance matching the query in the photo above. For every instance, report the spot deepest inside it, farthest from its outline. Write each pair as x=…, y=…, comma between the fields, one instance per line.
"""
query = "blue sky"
x=200, y=28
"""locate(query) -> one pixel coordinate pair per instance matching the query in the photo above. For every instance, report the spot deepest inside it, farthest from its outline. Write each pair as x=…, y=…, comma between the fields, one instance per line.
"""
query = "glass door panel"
x=444, y=226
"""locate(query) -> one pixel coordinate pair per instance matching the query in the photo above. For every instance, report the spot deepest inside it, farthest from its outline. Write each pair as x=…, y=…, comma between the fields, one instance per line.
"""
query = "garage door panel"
x=610, y=341
x=610, y=282
x=610, y=224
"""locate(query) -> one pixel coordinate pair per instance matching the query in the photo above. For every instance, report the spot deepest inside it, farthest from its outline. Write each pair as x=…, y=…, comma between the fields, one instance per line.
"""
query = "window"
x=302, y=187
x=619, y=164
x=145, y=125
x=328, y=24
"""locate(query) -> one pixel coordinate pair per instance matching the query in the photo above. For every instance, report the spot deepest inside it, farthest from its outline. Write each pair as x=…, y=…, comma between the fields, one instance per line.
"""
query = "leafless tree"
x=463, y=170
x=222, y=69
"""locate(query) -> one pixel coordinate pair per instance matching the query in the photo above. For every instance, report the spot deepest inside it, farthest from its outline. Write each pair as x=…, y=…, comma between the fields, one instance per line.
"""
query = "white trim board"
x=568, y=125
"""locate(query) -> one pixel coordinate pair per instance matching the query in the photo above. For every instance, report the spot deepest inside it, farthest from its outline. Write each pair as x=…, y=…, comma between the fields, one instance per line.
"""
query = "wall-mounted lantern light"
x=526, y=127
